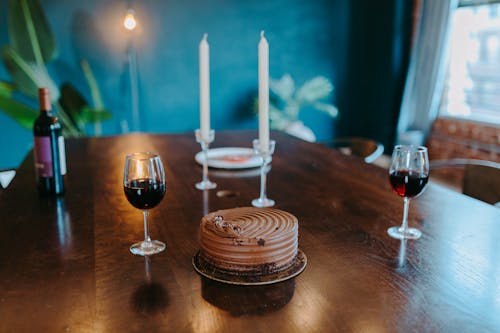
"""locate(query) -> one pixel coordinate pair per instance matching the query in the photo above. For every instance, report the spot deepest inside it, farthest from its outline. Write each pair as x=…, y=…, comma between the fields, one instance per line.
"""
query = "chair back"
x=368, y=149
x=482, y=181
x=479, y=179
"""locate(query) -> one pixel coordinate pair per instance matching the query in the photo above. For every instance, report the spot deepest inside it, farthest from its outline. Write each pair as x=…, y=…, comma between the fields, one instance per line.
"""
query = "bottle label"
x=43, y=156
x=62, y=155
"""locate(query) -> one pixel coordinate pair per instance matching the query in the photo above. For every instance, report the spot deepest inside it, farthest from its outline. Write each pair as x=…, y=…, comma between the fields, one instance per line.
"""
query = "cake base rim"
x=209, y=271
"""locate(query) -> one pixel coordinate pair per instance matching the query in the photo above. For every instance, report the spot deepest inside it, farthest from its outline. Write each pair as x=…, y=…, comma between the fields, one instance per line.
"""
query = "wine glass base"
x=399, y=233
x=147, y=248
x=262, y=202
x=205, y=185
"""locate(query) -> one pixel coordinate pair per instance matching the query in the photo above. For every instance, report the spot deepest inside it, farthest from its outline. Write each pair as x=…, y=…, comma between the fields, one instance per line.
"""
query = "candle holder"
x=265, y=156
x=205, y=183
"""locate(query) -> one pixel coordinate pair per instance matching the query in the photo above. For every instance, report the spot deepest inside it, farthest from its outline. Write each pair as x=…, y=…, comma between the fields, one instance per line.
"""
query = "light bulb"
x=130, y=22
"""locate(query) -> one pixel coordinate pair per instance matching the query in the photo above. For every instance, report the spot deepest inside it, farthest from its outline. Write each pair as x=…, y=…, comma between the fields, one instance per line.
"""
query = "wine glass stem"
x=147, y=239
x=263, y=179
x=205, y=162
x=404, y=225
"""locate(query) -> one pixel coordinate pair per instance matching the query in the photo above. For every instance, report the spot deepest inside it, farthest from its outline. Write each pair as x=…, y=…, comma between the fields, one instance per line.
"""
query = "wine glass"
x=265, y=157
x=408, y=174
x=144, y=186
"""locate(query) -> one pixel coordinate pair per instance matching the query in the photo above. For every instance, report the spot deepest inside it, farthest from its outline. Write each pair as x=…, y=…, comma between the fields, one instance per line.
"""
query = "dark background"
x=361, y=45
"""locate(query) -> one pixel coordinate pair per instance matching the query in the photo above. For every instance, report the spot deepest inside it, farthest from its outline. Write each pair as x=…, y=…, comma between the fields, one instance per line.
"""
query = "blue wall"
x=360, y=45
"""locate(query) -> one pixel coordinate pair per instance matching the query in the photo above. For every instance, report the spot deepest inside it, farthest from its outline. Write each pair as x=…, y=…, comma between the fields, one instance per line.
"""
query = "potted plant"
x=287, y=101
x=32, y=47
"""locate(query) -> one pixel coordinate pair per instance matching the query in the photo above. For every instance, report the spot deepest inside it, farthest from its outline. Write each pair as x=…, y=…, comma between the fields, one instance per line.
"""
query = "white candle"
x=204, y=88
x=263, y=93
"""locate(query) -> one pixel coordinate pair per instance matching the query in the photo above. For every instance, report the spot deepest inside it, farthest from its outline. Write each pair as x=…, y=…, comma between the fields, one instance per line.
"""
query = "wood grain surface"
x=65, y=264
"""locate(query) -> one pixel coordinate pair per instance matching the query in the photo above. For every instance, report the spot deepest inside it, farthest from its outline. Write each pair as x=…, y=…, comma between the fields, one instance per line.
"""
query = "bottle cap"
x=44, y=99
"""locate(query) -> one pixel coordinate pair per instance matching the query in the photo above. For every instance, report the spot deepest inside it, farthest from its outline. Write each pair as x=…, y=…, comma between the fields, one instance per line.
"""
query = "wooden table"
x=65, y=264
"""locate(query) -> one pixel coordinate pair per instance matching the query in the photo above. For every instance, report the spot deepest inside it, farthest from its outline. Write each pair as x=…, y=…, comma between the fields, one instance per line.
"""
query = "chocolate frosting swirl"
x=245, y=238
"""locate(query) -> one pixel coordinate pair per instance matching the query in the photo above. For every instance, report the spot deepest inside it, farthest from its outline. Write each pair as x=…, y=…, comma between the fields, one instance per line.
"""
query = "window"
x=472, y=87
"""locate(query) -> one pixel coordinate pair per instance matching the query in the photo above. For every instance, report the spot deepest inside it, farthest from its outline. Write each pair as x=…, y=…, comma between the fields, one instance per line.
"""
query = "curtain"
x=426, y=73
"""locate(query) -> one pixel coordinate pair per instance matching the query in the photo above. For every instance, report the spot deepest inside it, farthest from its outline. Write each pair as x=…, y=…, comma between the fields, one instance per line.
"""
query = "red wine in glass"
x=144, y=193
x=408, y=175
x=408, y=184
x=144, y=187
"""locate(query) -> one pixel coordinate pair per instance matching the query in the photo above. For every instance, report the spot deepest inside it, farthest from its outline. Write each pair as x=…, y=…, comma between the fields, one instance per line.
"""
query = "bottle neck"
x=44, y=100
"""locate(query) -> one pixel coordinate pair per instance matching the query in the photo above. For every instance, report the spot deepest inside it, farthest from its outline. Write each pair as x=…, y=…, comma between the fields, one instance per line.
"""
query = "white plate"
x=230, y=158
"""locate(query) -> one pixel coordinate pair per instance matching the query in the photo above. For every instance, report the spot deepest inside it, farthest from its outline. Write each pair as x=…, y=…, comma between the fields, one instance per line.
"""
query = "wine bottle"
x=49, y=151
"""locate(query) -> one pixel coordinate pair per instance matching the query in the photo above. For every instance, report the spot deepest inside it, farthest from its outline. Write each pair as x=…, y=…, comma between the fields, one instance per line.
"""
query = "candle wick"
x=205, y=36
x=262, y=34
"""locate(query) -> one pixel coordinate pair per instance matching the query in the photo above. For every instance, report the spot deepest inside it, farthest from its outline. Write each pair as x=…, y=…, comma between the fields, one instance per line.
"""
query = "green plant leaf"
x=6, y=89
x=91, y=115
x=92, y=83
x=29, y=32
x=283, y=88
x=77, y=108
x=24, y=115
x=278, y=119
x=330, y=109
x=317, y=88
x=28, y=77
x=69, y=129
x=72, y=103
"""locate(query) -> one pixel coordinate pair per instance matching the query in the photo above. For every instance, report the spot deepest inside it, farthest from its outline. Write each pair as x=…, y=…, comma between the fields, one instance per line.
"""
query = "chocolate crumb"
x=267, y=268
x=261, y=242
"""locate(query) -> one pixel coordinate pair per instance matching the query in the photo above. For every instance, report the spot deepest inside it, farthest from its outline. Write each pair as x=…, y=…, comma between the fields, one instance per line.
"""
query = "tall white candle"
x=263, y=93
x=204, y=88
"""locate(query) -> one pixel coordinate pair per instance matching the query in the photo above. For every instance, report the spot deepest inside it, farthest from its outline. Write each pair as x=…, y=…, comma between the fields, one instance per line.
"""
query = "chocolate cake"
x=249, y=241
